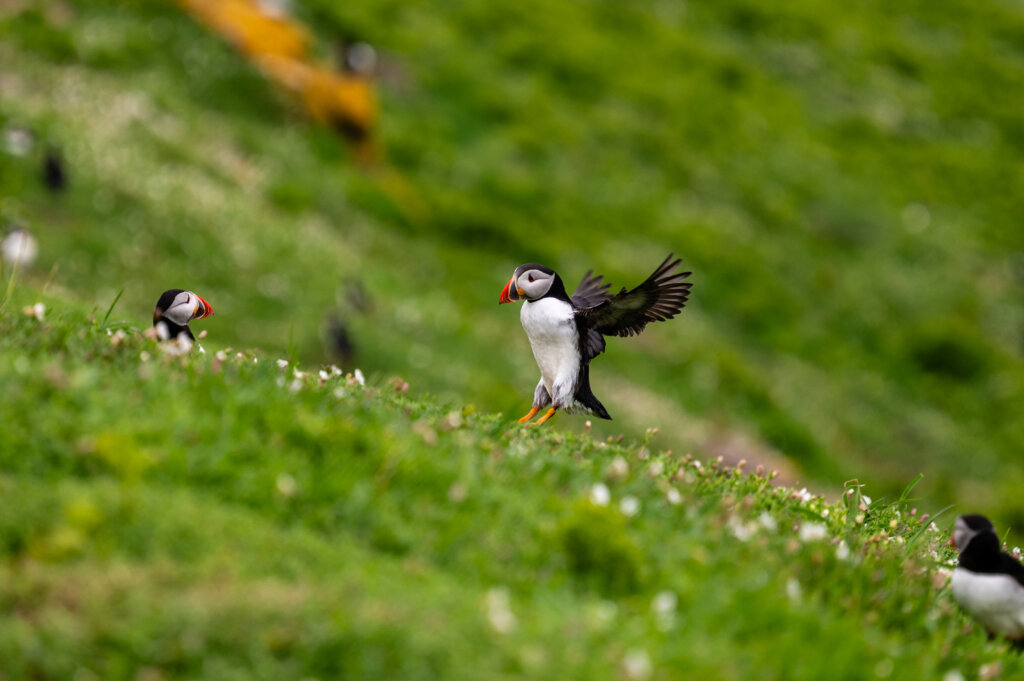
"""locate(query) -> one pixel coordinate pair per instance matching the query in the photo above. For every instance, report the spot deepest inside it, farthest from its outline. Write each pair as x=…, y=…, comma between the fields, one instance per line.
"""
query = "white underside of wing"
x=551, y=328
x=997, y=601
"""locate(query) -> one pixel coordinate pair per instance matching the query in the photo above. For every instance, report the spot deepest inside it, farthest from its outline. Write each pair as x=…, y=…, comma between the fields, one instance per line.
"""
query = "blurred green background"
x=843, y=179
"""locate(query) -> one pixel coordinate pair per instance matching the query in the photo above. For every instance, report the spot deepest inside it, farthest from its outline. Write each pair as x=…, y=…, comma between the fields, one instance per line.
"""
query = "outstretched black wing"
x=660, y=297
x=591, y=291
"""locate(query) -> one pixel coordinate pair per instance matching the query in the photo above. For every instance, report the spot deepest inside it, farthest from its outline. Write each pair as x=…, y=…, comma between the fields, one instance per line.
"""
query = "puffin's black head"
x=973, y=527
x=532, y=282
x=175, y=309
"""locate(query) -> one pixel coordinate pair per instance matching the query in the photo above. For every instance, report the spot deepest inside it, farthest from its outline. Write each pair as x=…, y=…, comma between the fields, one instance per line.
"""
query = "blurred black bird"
x=567, y=332
x=988, y=583
x=175, y=309
x=55, y=175
x=339, y=341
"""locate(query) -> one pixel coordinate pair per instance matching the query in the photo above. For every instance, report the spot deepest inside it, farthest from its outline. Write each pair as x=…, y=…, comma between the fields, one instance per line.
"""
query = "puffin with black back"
x=567, y=332
x=988, y=582
x=175, y=309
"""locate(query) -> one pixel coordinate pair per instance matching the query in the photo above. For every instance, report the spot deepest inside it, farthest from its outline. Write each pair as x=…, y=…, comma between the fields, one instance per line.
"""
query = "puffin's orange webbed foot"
x=550, y=412
x=529, y=416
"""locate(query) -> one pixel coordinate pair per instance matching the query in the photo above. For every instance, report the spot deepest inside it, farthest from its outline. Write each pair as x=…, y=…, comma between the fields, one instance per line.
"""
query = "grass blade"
x=111, y=308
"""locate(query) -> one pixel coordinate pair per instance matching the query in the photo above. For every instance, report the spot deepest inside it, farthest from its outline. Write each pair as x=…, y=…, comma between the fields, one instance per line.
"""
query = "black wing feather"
x=591, y=291
x=661, y=296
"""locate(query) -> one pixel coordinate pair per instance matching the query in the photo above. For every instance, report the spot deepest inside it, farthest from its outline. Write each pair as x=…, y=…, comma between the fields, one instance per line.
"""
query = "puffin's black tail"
x=585, y=396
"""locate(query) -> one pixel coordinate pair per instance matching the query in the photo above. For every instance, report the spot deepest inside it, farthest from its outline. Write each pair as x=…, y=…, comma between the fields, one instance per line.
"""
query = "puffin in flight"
x=566, y=332
x=175, y=309
x=988, y=583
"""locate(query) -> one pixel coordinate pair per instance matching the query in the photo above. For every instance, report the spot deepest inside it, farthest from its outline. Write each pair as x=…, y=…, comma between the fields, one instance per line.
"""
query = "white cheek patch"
x=180, y=311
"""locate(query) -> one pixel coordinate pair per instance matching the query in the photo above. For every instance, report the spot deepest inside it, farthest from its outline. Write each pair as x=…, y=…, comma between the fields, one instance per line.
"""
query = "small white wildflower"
x=804, y=495
x=295, y=386
x=867, y=500
x=144, y=356
x=286, y=485
x=953, y=675
x=673, y=496
x=637, y=665
x=664, y=603
x=37, y=311
x=360, y=379
x=768, y=521
x=18, y=141
x=696, y=464
x=793, y=590
x=221, y=356
x=629, y=506
x=740, y=530
x=499, y=614
x=599, y=494
x=179, y=346
x=842, y=550
x=1015, y=552
x=812, y=532
x=618, y=468
x=324, y=375
x=339, y=393
x=656, y=468
x=19, y=248
x=282, y=364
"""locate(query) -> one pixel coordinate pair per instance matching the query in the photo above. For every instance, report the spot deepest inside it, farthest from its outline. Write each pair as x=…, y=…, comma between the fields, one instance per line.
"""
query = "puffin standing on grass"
x=175, y=309
x=988, y=583
x=567, y=332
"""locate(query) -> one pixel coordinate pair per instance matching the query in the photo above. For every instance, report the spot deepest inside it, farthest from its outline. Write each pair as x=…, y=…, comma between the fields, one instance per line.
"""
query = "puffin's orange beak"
x=506, y=293
x=208, y=309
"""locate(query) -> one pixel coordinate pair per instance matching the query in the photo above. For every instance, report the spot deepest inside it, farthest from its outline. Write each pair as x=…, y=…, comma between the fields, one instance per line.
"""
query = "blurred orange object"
x=250, y=28
x=343, y=99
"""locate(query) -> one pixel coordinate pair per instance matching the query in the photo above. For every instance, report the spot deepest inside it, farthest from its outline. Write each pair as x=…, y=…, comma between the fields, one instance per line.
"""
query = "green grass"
x=218, y=516
x=841, y=180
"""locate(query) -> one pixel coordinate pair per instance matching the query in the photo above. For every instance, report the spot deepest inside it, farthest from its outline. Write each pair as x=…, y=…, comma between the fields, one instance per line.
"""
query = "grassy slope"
x=210, y=517
x=841, y=184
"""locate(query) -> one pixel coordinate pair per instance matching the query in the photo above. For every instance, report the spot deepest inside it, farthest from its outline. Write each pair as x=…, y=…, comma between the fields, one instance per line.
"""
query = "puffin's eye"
x=531, y=277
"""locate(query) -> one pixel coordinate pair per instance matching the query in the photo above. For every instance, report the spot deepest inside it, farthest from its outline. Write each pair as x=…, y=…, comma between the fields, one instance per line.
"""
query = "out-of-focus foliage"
x=844, y=181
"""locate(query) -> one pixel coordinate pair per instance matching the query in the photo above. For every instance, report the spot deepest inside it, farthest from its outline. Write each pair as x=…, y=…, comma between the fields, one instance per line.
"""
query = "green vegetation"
x=842, y=180
x=218, y=516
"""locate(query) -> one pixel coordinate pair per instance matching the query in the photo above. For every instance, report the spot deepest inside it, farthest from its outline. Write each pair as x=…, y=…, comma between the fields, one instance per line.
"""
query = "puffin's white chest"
x=551, y=328
x=997, y=601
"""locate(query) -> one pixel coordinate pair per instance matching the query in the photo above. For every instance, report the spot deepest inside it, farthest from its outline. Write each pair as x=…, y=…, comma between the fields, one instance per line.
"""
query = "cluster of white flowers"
x=813, y=532
x=499, y=611
x=37, y=311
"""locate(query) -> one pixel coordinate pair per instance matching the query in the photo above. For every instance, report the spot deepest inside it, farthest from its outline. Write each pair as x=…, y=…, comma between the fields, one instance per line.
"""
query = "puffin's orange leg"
x=548, y=414
x=529, y=416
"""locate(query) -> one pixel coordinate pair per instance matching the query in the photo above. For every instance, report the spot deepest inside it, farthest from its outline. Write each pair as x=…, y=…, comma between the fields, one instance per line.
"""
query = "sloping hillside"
x=841, y=181
x=231, y=516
